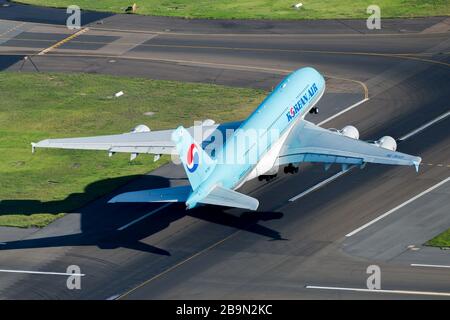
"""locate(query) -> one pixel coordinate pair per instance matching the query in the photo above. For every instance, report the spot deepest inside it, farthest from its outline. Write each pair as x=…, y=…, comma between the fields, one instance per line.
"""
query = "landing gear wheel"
x=290, y=169
x=314, y=110
x=267, y=177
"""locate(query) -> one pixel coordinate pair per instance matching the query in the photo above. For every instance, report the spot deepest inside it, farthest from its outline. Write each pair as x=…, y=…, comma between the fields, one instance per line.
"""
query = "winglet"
x=417, y=163
x=33, y=147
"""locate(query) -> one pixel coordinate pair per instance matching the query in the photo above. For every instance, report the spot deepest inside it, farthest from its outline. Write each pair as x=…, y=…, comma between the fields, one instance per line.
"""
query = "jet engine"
x=387, y=142
x=140, y=128
x=350, y=131
x=208, y=122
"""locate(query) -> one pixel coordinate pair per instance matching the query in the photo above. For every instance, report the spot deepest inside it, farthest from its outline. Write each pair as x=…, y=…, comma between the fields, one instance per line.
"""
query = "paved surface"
x=228, y=253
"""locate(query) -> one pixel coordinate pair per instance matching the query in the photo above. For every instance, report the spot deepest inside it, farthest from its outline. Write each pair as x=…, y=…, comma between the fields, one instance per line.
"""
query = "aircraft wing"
x=310, y=143
x=155, y=142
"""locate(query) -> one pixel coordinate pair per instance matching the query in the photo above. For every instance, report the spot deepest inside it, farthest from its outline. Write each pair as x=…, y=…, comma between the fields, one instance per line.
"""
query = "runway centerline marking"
x=319, y=185
x=179, y=264
x=60, y=43
x=43, y=272
x=144, y=216
x=397, y=207
x=344, y=111
x=425, y=126
x=429, y=265
x=423, y=293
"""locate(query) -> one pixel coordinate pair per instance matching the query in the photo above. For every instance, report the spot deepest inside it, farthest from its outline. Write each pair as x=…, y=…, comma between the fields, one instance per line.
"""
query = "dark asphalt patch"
x=88, y=42
x=34, y=40
x=44, y=40
x=8, y=60
x=29, y=13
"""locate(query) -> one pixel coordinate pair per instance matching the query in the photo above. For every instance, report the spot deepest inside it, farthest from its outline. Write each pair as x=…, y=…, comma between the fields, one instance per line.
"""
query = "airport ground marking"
x=12, y=29
x=144, y=216
x=343, y=111
x=397, y=207
x=425, y=126
x=43, y=273
x=436, y=165
x=63, y=41
x=408, y=292
x=319, y=185
x=179, y=264
x=429, y=265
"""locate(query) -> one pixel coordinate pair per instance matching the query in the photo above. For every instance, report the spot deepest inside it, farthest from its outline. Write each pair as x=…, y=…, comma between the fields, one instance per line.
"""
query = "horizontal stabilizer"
x=226, y=197
x=174, y=194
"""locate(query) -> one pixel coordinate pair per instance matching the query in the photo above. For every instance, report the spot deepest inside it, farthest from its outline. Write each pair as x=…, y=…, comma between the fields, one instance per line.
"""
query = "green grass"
x=36, y=189
x=442, y=240
x=259, y=9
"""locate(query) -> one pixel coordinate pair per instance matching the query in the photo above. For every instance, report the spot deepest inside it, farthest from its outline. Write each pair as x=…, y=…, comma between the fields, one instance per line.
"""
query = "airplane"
x=213, y=178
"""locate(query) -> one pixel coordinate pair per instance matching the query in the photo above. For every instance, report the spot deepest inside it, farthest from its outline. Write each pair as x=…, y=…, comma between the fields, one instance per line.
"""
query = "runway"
x=398, y=79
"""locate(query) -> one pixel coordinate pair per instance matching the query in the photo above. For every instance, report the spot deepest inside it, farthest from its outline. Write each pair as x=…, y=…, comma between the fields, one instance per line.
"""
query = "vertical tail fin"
x=196, y=162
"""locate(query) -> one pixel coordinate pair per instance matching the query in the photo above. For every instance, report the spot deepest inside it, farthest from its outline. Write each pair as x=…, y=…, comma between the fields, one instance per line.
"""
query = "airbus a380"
x=214, y=177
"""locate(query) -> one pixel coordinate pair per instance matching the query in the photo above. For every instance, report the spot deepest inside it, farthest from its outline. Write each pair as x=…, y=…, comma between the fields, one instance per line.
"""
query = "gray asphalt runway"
x=287, y=245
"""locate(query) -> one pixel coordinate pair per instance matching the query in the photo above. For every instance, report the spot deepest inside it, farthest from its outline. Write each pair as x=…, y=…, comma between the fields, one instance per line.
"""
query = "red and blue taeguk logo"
x=192, y=158
x=292, y=111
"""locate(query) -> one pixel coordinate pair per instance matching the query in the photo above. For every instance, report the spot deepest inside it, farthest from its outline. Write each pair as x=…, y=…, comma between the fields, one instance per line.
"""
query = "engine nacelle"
x=350, y=131
x=208, y=122
x=140, y=128
x=387, y=142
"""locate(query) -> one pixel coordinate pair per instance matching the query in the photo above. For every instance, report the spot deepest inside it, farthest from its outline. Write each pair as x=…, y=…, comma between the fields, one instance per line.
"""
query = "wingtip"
x=114, y=199
x=255, y=205
x=177, y=134
x=417, y=163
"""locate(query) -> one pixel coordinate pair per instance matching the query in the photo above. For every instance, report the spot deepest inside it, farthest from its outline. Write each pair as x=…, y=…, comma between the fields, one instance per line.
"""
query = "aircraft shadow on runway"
x=7, y=61
x=100, y=220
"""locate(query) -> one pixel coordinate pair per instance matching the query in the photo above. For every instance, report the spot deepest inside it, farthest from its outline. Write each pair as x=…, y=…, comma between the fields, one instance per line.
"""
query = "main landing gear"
x=290, y=169
x=266, y=177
